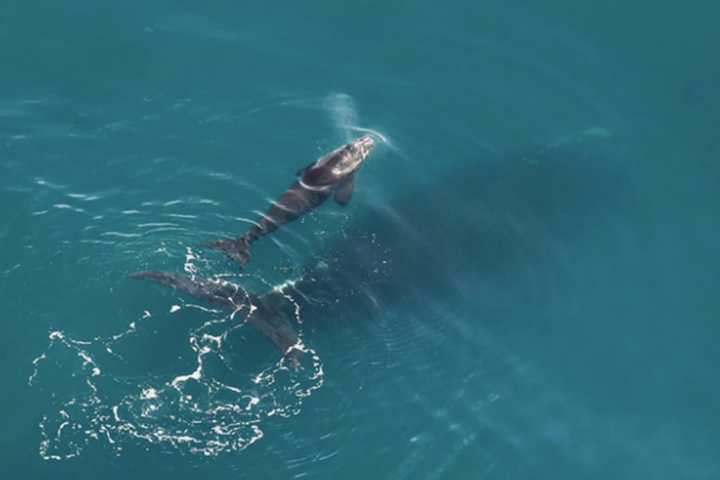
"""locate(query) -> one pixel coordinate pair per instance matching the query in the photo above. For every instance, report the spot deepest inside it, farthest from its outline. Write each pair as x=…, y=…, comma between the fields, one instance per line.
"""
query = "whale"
x=484, y=224
x=332, y=174
x=267, y=316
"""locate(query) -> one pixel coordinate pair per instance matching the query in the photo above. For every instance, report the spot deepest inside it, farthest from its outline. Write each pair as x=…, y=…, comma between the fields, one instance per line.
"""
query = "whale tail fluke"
x=173, y=280
x=267, y=314
x=237, y=249
x=271, y=316
x=217, y=292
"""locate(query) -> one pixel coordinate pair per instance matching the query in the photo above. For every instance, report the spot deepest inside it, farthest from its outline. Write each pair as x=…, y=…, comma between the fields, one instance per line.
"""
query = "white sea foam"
x=191, y=412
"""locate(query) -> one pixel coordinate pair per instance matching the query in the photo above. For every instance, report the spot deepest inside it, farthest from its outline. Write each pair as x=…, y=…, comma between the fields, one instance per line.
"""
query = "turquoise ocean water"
x=525, y=284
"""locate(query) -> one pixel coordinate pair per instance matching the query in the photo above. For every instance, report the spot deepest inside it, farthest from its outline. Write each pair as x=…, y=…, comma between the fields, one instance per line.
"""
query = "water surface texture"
x=525, y=284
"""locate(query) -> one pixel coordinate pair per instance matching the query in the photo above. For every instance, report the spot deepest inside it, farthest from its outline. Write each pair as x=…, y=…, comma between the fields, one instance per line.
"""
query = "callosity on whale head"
x=338, y=165
x=350, y=156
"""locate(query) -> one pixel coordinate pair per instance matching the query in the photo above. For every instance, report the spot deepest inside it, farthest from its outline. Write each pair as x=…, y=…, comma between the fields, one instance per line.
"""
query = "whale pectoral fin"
x=344, y=191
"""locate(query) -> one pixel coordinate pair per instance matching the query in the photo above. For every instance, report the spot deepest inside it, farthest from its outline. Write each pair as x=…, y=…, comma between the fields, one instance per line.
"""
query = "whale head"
x=348, y=158
x=339, y=164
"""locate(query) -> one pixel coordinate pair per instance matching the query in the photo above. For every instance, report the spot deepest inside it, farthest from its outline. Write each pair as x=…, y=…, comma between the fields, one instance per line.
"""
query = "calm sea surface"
x=525, y=284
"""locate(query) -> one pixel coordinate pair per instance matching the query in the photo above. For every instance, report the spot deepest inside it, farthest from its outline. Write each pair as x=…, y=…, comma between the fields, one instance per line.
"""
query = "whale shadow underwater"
x=442, y=240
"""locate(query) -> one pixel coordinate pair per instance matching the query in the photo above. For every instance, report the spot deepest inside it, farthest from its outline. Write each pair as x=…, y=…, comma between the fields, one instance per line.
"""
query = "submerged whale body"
x=266, y=318
x=331, y=175
x=514, y=212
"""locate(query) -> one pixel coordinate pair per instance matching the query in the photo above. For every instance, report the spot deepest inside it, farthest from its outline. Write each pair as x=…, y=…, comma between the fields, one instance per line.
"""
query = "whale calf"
x=486, y=232
x=331, y=175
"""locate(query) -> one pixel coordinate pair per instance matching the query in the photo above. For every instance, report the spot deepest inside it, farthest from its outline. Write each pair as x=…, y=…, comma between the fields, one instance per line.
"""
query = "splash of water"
x=344, y=117
x=208, y=410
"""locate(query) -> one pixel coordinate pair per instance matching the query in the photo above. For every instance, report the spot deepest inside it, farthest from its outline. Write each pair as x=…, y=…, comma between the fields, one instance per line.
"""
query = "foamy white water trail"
x=210, y=406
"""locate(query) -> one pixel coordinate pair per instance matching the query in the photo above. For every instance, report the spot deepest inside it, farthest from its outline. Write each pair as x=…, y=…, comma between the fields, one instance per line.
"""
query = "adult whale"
x=332, y=174
x=266, y=315
x=489, y=231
